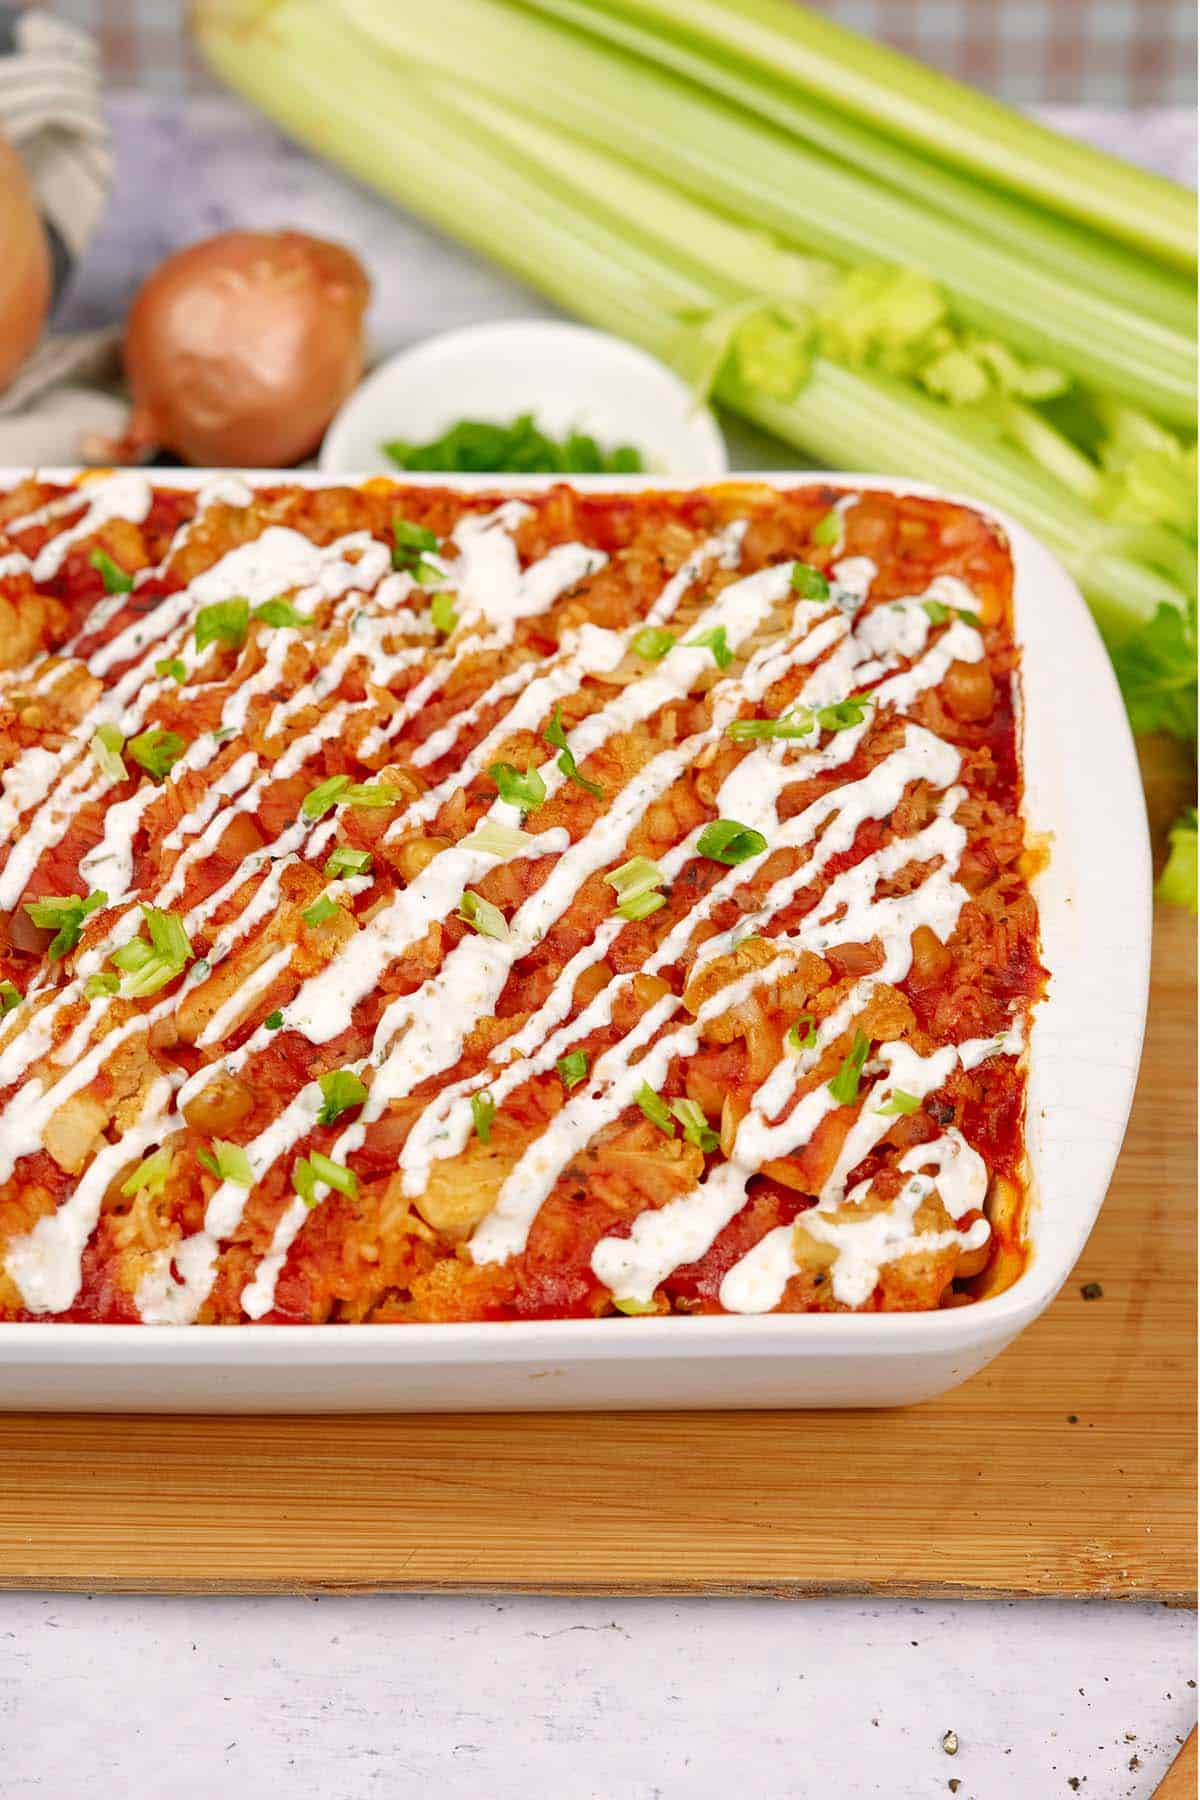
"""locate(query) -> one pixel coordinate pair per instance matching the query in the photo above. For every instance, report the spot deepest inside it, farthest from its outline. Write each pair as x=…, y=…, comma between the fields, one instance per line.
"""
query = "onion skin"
x=240, y=349
x=25, y=275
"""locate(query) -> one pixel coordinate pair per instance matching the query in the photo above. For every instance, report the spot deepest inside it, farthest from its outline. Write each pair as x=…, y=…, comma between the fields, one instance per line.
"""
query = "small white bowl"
x=565, y=375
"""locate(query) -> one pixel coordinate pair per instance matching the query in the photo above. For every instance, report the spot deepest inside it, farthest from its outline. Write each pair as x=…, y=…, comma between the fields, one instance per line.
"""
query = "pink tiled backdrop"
x=1117, y=53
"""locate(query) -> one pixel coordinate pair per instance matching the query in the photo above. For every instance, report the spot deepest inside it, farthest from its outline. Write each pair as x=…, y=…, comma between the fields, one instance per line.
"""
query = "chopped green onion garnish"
x=336, y=1175
x=572, y=1068
x=497, y=840
x=369, y=793
x=228, y=619
x=524, y=790
x=157, y=751
x=938, y=614
x=900, y=1102
x=634, y=1309
x=64, y=915
x=482, y=916
x=428, y=574
x=843, y=713
x=844, y=1086
x=829, y=529
x=308, y=1170
x=641, y=906
x=808, y=582
x=150, y=966
x=652, y=643
x=655, y=1109
x=318, y=800
x=477, y=446
x=696, y=1128
x=725, y=841
x=797, y=724
x=172, y=668
x=556, y=737
x=282, y=614
x=320, y=911
x=411, y=542
x=346, y=861
x=483, y=1111
x=341, y=1089
x=805, y=1025
x=10, y=996
x=228, y=1162
x=442, y=612
x=106, y=747
x=634, y=883
x=274, y=1020
x=97, y=986
x=713, y=640
x=150, y=1176
x=304, y=1180
x=115, y=580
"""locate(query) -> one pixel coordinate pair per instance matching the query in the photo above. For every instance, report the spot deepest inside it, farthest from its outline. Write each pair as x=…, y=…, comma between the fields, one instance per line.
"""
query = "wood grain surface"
x=1067, y=1467
x=1180, y=1781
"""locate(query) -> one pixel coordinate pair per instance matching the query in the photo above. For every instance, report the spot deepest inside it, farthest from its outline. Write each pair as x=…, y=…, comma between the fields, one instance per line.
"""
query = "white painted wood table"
x=344, y=1698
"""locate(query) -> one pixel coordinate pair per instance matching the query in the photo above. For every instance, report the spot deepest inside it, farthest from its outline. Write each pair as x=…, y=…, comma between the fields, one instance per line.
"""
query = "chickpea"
x=970, y=691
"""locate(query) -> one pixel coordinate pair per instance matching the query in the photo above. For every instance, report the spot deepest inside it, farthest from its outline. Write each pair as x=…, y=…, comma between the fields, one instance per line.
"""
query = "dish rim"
x=1085, y=713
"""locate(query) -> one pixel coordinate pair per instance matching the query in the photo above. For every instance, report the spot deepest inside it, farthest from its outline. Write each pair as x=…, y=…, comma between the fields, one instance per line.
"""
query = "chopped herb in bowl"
x=477, y=447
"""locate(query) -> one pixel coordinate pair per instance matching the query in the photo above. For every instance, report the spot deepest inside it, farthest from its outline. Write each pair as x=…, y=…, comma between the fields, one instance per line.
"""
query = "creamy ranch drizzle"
x=424, y=1032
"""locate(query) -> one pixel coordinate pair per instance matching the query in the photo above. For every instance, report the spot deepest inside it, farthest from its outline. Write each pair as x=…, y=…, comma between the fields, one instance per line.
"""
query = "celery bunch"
x=881, y=268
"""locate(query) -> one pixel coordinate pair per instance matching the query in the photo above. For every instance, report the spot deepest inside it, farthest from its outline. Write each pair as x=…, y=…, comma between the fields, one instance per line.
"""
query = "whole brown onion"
x=240, y=349
x=24, y=266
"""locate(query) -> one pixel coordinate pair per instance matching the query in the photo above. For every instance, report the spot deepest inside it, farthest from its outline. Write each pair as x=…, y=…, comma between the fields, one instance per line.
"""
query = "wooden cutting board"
x=1066, y=1468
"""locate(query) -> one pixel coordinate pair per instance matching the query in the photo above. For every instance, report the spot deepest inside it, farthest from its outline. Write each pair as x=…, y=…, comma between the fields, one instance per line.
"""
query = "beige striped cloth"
x=50, y=111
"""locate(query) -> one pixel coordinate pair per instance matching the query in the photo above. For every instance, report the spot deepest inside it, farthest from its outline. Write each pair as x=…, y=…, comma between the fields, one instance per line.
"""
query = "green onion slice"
x=317, y=802
x=10, y=996
x=150, y=1176
x=655, y=1109
x=483, y=1111
x=808, y=582
x=106, y=747
x=572, y=1068
x=829, y=529
x=802, y=1035
x=227, y=619
x=497, y=840
x=725, y=841
x=442, y=611
x=843, y=713
x=96, y=987
x=274, y=1020
x=844, y=1086
x=114, y=577
x=556, y=737
x=64, y=915
x=341, y=1089
x=796, y=724
x=157, y=751
x=336, y=1175
x=172, y=668
x=652, y=643
x=228, y=1162
x=634, y=884
x=321, y=910
x=713, y=640
x=347, y=861
x=899, y=1102
x=411, y=542
x=282, y=615
x=521, y=790
x=696, y=1128
x=482, y=916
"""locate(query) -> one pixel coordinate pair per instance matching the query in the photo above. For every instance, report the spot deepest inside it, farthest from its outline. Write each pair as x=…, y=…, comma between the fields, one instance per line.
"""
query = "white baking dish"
x=1083, y=790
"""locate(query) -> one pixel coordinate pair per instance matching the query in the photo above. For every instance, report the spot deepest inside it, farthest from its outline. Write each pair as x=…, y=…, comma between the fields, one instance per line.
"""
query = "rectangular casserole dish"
x=1083, y=795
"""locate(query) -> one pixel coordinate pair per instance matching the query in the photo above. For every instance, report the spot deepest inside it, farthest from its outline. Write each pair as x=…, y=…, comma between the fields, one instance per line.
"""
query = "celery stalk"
x=753, y=172
x=1075, y=253
x=415, y=142
x=966, y=129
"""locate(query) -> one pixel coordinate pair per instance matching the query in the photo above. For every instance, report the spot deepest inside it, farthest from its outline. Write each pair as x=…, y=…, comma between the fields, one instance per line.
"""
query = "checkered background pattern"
x=1118, y=53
